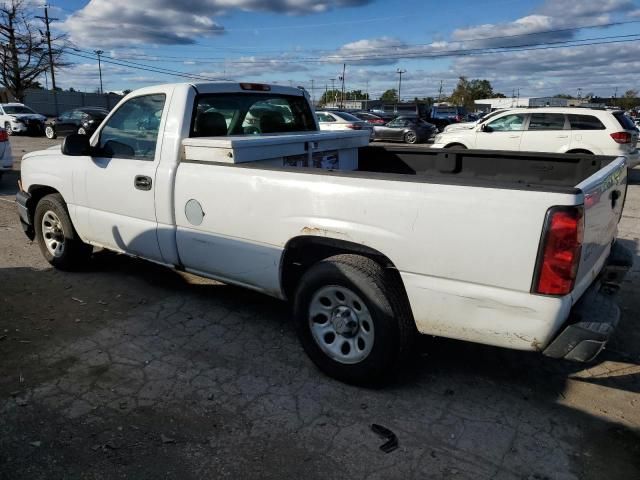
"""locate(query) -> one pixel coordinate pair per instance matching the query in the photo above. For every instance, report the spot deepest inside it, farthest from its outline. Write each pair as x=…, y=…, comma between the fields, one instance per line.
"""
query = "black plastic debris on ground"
x=392, y=440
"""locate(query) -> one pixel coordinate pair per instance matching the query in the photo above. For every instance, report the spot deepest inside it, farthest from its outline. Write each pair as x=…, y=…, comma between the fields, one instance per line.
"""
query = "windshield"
x=490, y=115
x=251, y=113
x=13, y=109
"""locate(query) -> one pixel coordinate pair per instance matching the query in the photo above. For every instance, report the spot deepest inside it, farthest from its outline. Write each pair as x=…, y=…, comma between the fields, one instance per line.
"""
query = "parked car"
x=474, y=123
x=338, y=120
x=405, y=129
x=83, y=120
x=370, y=118
x=408, y=242
x=18, y=118
x=550, y=129
x=6, y=157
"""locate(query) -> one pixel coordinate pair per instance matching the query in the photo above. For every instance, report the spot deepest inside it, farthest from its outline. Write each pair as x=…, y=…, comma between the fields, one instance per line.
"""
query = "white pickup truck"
x=234, y=182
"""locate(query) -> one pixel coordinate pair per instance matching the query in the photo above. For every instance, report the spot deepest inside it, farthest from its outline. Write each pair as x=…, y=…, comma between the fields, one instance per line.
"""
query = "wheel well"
x=301, y=253
x=455, y=145
x=37, y=192
x=581, y=150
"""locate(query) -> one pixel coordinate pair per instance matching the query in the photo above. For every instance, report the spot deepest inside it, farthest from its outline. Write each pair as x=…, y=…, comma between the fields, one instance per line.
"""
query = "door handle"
x=142, y=182
x=514, y=136
x=563, y=136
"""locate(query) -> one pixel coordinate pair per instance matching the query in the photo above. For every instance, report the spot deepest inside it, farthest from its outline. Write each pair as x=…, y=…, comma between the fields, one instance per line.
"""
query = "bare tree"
x=23, y=50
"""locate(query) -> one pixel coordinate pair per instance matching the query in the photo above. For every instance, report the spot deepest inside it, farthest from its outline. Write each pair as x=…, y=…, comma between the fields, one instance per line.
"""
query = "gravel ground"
x=130, y=370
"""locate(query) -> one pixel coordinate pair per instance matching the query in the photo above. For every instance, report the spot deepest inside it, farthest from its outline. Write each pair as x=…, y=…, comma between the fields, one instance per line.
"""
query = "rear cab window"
x=221, y=114
x=585, y=122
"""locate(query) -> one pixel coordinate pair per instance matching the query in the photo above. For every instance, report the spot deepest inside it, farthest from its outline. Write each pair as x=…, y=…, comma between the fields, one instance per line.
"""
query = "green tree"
x=629, y=99
x=390, y=95
x=467, y=91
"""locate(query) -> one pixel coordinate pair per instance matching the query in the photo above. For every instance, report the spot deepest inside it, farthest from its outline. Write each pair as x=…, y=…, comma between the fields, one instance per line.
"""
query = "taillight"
x=260, y=87
x=559, y=254
x=4, y=136
x=621, y=137
x=354, y=126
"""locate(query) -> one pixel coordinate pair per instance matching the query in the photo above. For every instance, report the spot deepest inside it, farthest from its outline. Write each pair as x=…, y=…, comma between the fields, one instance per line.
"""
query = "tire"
x=58, y=240
x=377, y=328
x=50, y=132
x=410, y=137
x=7, y=127
x=456, y=146
x=82, y=131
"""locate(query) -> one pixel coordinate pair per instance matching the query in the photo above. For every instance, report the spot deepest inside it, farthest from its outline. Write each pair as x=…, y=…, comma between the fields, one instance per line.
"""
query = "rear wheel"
x=353, y=320
x=410, y=137
x=58, y=240
x=50, y=132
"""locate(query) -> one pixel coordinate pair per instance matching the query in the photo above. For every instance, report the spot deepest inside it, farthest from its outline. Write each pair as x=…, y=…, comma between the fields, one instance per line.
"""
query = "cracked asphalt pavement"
x=131, y=370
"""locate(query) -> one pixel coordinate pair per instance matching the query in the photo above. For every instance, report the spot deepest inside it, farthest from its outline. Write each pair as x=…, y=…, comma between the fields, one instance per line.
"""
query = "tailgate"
x=604, y=194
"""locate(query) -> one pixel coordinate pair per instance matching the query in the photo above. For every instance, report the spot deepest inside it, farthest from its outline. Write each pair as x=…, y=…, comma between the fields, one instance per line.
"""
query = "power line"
x=426, y=55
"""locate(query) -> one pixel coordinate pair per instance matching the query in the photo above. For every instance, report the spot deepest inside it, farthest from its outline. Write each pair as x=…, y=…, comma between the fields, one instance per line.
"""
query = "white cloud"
x=172, y=22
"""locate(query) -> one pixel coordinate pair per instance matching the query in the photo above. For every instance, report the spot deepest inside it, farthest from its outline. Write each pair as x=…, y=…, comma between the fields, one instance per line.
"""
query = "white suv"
x=561, y=130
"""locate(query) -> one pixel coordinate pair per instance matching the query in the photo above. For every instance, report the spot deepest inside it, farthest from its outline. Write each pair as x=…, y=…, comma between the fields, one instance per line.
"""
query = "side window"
x=65, y=116
x=132, y=131
x=76, y=115
x=546, y=121
x=507, y=123
x=396, y=123
x=585, y=122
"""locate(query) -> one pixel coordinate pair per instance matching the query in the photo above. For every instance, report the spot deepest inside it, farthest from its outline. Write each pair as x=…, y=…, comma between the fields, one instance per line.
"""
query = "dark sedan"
x=83, y=120
x=405, y=129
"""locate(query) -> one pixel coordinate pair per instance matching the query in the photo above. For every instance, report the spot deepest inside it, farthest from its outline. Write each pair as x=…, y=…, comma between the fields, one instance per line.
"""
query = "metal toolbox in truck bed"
x=332, y=150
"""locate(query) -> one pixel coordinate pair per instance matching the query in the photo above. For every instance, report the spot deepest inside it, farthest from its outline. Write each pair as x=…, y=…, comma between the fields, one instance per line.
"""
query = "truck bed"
x=487, y=168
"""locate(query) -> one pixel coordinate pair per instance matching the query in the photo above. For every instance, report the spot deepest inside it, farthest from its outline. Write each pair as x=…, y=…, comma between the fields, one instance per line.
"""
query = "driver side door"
x=503, y=133
x=119, y=181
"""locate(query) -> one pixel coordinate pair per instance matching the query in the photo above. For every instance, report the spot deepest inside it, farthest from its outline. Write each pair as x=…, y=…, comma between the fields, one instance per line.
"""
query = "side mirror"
x=76, y=145
x=486, y=128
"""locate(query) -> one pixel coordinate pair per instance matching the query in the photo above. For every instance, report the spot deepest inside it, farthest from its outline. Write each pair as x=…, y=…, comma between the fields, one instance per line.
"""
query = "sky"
x=536, y=48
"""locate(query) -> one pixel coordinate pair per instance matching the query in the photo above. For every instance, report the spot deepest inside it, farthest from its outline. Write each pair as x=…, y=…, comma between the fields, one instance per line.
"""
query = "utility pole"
x=47, y=20
x=579, y=93
x=313, y=95
x=98, y=53
x=615, y=97
x=344, y=67
x=440, y=91
x=400, y=72
x=333, y=90
x=366, y=98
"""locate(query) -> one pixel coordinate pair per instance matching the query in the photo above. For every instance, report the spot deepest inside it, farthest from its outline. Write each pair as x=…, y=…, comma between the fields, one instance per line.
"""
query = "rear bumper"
x=595, y=316
x=23, y=200
x=633, y=158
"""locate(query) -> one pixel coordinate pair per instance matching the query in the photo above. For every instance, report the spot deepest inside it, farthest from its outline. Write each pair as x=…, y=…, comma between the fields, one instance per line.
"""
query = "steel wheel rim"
x=48, y=132
x=341, y=324
x=53, y=233
x=82, y=131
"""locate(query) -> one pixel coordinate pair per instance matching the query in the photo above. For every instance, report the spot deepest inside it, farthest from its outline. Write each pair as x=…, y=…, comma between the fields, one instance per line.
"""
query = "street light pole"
x=98, y=53
x=400, y=72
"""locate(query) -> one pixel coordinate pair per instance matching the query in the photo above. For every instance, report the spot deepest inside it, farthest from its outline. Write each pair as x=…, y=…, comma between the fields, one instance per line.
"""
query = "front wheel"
x=410, y=137
x=58, y=240
x=7, y=127
x=353, y=319
x=49, y=132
